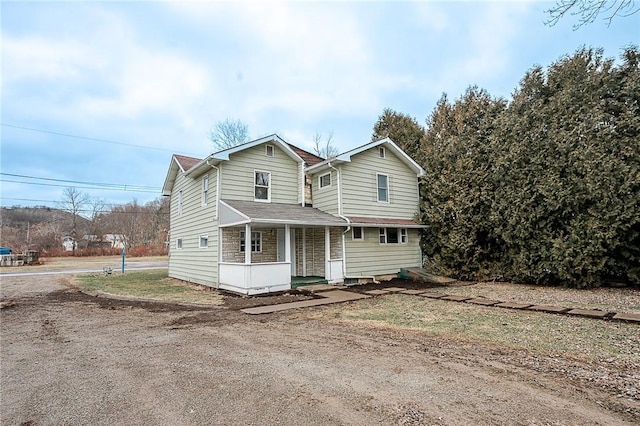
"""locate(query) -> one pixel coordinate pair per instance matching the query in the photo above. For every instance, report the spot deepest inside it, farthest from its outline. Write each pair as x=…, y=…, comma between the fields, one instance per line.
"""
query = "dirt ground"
x=69, y=358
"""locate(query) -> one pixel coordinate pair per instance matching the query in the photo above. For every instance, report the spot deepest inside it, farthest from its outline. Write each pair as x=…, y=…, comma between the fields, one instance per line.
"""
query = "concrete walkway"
x=338, y=296
x=327, y=297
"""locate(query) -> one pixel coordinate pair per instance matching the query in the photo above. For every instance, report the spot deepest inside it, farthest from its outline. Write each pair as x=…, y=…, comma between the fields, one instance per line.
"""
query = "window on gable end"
x=383, y=188
x=382, y=152
x=262, y=186
x=270, y=151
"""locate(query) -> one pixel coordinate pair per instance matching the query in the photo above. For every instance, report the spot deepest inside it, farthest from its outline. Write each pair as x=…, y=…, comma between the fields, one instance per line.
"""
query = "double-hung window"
x=204, y=241
x=262, y=186
x=179, y=243
x=383, y=188
x=205, y=190
x=256, y=242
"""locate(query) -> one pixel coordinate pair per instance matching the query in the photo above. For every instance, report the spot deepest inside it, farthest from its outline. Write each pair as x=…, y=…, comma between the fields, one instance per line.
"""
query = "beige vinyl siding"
x=325, y=199
x=360, y=190
x=369, y=257
x=192, y=263
x=238, y=175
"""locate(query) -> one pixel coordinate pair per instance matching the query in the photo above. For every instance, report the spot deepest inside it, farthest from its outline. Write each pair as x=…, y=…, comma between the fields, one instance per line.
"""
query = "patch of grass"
x=494, y=326
x=151, y=284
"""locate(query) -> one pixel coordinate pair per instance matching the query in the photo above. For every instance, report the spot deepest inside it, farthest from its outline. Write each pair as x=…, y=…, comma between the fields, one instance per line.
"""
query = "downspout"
x=302, y=185
x=344, y=248
x=217, y=218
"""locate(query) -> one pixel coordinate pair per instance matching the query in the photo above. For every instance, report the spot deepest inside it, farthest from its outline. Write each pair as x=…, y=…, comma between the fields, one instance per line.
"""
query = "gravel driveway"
x=68, y=358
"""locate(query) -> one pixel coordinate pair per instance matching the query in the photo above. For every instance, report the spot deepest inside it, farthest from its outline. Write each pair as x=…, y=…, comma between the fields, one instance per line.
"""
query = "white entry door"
x=281, y=249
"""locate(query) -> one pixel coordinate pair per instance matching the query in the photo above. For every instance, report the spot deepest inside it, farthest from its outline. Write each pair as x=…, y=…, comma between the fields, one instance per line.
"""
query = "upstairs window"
x=262, y=186
x=325, y=180
x=179, y=243
x=383, y=188
x=256, y=242
x=269, y=151
x=180, y=203
x=382, y=153
x=205, y=190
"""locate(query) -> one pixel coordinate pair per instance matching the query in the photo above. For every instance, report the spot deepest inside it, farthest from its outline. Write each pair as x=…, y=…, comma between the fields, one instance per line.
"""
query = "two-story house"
x=249, y=218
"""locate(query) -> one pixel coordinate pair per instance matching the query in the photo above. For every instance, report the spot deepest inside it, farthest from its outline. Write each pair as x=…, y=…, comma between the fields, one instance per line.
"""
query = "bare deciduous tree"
x=229, y=133
x=73, y=201
x=588, y=10
x=324, y=149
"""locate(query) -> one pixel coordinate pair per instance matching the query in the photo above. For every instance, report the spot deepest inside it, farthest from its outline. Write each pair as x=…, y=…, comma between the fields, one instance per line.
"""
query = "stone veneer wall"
x=231, y=245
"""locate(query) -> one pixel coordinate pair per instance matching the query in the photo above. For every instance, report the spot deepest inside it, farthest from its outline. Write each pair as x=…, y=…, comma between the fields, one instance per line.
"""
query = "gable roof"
x=345, y=157
x=223, y=155
x=180, y=163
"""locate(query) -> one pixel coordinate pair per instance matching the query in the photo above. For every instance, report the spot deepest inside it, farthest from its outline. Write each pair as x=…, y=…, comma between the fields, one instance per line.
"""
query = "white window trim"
x=205, y=190
x=268, y=200
x=273, y=151
x=401, y=232
x=200, y=241
x=179, y=244
x=320, y=181
x=353, y=236
x=258, y=233
x=378, y=189
x=180, y=203
x=382, y=152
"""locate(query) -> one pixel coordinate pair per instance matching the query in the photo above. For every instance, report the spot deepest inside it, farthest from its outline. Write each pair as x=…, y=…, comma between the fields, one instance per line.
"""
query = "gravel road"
x=68, y=358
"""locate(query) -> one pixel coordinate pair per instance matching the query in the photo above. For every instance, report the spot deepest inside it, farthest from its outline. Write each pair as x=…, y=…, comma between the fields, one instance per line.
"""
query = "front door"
x=281, y=249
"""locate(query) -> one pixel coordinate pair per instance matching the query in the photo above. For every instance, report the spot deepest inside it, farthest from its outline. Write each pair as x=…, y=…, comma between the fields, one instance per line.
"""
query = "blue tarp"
x=5, y=250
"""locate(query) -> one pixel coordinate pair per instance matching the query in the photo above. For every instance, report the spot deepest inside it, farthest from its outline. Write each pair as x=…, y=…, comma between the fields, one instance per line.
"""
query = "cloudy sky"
x=104, y=92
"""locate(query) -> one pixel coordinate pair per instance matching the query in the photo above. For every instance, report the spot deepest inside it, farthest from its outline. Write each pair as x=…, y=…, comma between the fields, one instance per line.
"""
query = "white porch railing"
x=255, y=278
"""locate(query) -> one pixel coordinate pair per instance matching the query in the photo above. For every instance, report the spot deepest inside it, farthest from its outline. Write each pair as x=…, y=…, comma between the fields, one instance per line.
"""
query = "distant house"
x=249, y=218
x=68, y=243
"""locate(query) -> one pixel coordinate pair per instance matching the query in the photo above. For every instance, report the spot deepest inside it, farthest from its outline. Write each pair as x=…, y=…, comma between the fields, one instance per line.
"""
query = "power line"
x=90, y=138
x=118, y=185
x=123, y=188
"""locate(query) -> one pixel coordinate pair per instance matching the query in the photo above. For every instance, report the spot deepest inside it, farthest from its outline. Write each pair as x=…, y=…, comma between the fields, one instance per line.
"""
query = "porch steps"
x=328, y=297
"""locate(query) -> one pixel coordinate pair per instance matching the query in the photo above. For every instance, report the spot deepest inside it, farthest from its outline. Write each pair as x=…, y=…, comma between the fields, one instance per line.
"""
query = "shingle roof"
x=275, y=213
x=186, y=162
x=309, y=158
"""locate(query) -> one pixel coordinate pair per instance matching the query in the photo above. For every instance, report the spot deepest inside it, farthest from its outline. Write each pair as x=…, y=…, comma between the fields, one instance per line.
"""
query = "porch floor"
x=309, y=280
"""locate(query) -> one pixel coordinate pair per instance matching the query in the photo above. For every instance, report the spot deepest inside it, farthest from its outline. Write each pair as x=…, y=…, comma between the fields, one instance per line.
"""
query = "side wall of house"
x=325, y=199
x=369, y=257
x=193, y=263
x=238, y=175
x=360, y=187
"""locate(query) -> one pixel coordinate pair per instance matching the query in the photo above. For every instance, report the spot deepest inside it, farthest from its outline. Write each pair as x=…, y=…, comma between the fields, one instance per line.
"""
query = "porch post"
x=247, y=243
x=327, y=252
x=304, y=252
x=287, y=243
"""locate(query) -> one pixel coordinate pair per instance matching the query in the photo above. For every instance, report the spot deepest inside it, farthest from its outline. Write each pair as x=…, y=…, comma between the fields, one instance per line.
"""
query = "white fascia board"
x=224, y=154
x=170, y=179
x=296, y=222
x=202, y=167
x=346, y=156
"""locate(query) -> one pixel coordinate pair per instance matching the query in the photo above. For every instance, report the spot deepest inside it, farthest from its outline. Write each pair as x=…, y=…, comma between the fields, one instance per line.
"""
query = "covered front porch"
x=264, y=245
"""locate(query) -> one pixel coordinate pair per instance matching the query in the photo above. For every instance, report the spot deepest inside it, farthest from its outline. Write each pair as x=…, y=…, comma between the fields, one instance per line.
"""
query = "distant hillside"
x=21, y=217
